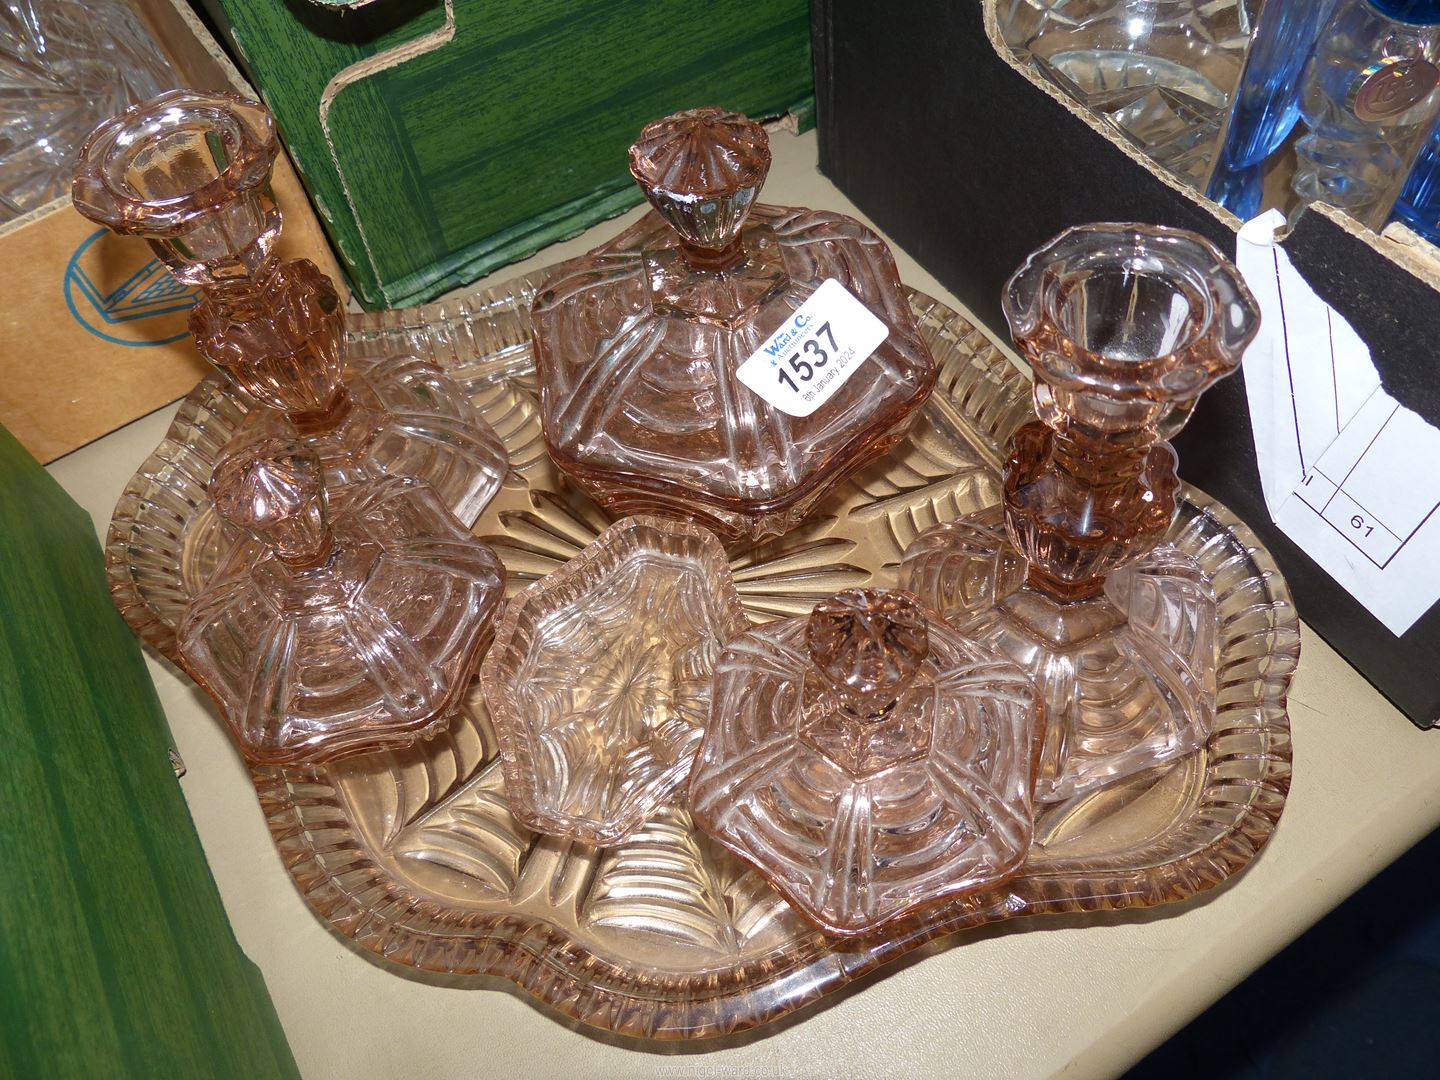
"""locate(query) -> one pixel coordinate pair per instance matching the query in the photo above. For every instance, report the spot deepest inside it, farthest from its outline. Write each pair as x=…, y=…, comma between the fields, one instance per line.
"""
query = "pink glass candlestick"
x=1125, y=326
x=333, y=634
x=190, y=172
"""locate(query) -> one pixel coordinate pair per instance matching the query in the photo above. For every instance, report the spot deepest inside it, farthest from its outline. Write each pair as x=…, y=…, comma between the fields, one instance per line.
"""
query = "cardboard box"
x=970, y=163
x=441, y=141
x=92, y=328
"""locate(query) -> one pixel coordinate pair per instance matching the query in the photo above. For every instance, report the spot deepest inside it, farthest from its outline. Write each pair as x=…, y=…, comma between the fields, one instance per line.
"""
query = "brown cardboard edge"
x=1407, y=250
x=198, y=61
x=185, y=40
x=1094, y=123
x=1398, y=244
x=14, y=225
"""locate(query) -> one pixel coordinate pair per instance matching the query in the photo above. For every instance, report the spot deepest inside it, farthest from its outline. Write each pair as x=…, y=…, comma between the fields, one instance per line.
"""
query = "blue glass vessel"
x=1267, y=101
x=1370, y=95
x=1419, y=202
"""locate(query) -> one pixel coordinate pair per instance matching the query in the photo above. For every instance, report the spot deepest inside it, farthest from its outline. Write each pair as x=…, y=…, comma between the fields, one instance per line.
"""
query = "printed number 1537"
x=806, y=362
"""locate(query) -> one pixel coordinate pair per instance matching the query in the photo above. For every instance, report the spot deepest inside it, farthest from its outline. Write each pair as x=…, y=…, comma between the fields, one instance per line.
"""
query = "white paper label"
x=1347, y=471
x=808, y=359
x=1366, y=511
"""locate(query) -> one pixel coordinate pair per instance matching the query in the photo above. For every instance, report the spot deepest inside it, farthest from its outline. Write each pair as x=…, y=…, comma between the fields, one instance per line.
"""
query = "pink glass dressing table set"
x=806, y=630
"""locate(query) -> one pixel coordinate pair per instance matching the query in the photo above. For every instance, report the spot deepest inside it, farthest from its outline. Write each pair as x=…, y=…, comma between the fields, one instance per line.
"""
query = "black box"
x=969, y=165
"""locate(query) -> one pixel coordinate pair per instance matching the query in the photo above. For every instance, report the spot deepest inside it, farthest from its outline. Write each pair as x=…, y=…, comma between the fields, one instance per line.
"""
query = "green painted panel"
x=116, y=958
x=488, y=128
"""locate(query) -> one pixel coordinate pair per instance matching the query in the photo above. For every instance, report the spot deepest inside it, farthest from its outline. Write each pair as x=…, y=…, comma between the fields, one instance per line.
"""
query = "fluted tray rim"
x=548, y=963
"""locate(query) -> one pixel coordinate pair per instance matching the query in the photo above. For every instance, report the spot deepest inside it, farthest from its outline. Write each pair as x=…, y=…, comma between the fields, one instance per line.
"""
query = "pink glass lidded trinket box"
x=722, y=359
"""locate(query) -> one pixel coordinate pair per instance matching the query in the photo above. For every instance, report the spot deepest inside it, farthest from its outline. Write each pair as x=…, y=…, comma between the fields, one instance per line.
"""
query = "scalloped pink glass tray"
x=415, y=854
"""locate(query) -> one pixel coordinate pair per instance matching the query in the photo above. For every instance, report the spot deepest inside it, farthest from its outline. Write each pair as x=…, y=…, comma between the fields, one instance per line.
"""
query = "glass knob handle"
x=273, y=489
x=701, y=170
x=869, y=644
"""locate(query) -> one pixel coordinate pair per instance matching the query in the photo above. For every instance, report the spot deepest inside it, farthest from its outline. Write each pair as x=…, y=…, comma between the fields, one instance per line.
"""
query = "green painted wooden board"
x=116, y=958
x=474, y=132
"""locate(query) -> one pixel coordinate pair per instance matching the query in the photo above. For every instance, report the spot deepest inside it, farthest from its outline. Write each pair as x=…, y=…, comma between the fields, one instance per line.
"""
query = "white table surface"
x=1083, y=996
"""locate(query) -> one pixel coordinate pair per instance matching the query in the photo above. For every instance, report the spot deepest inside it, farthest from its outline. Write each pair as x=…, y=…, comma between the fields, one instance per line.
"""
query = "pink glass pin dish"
x=598, y=682
x=722, y=359
x=331, y=634
x=868, y=760
x=190, y=172
x=1125, y=326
